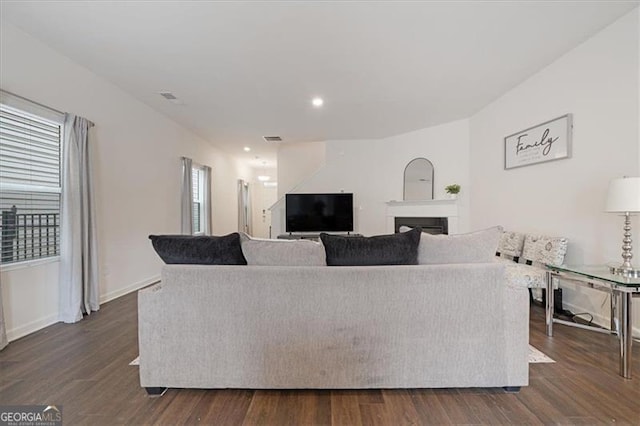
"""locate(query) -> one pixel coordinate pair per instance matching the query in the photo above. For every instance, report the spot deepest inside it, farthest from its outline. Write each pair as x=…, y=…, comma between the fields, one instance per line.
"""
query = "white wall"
x=137, y=164
x=598, y=83
x=373, y=170
x=299, y=162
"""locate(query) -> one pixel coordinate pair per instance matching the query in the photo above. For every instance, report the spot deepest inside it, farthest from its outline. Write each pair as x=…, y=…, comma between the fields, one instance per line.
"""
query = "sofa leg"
x=155, y=391
x=511, y=389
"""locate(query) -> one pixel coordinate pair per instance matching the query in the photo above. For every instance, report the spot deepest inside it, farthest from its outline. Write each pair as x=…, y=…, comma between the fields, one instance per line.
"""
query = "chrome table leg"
x=550, y=303
x=614, y=313
x=624, y=333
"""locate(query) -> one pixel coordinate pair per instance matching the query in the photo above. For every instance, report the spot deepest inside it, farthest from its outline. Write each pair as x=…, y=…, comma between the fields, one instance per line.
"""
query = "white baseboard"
x=598, y=319
x=133, y=287
x=31, y=327
x=41, y=323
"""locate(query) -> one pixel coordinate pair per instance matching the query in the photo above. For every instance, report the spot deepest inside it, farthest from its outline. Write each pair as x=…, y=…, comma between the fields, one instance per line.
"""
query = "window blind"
x=30, y=150
x=195, y=178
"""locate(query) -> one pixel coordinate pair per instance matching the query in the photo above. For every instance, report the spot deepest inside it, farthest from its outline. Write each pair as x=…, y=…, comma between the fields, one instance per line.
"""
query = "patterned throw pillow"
x=511, y=244
x=545, y=250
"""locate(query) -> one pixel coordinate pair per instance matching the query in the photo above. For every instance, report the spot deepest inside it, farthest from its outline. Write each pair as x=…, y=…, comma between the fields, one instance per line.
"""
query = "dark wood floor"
x=84, y=367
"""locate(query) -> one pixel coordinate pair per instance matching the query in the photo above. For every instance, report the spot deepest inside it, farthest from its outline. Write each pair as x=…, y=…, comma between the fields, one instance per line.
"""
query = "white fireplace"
x=426, y=208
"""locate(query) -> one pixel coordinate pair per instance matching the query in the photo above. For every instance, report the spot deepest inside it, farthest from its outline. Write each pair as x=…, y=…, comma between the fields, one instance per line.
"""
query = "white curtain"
x=3, y=329
x=78, y=246
x=244, y=207
x=206, y=219
x=186, y=203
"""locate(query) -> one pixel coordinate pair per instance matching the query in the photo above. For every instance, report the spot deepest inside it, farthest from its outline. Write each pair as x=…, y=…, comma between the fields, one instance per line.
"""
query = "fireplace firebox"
x=431, y=225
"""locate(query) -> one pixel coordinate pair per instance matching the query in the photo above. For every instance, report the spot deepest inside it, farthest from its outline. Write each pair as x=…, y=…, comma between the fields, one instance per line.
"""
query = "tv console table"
x=314, y=237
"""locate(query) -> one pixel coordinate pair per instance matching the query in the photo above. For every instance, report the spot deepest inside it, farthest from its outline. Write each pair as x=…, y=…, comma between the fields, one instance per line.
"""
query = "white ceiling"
x=247, y=69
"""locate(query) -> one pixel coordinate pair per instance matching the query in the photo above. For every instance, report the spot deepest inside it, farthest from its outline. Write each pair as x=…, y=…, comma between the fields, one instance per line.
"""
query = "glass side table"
x=622, y=291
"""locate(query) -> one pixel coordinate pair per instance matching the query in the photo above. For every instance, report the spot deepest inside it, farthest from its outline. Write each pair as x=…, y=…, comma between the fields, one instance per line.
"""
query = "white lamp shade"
x=624, y=195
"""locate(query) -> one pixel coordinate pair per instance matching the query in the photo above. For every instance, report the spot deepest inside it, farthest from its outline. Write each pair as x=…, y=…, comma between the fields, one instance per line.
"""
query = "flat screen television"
x=319, y=212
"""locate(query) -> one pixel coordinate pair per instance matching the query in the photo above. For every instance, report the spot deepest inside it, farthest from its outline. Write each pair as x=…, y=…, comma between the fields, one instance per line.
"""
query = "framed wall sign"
x=548, y=141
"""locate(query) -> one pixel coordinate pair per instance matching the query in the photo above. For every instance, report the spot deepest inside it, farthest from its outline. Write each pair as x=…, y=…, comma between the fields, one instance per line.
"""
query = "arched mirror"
x=418, y=180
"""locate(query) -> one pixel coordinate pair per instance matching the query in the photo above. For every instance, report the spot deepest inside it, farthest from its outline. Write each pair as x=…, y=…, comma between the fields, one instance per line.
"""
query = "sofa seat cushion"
x=283, y=252
x=393, y=249
x=525, y=275
x=199, y=250
x=474, y=247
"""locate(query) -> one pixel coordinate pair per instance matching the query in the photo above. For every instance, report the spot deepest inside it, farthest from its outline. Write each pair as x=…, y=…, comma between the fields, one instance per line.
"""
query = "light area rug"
x=535, y=357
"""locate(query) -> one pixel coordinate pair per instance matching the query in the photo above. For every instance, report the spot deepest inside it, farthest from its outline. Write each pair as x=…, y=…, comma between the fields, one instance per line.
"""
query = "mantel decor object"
x=623, y=196
x=453, y=190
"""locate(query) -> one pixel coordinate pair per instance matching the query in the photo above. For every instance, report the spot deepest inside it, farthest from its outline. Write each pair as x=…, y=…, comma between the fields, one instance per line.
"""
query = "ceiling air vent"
x=168, y=96
x=171, y=98
x=272, y=138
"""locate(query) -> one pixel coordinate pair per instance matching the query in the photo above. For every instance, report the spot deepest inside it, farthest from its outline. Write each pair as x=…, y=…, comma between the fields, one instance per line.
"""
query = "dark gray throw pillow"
x=199, y=250
x=394, y=249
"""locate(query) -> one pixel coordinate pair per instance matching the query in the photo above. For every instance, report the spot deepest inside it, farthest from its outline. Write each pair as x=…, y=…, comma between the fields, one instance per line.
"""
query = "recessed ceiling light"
x=317, y=102
x=264, y=178
x=246, y=149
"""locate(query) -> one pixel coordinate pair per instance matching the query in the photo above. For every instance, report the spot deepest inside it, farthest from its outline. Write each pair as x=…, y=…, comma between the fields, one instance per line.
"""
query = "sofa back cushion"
x=394, y=249
x=283, y=252
x=540, y=250
x=199, y=250
x=474, y=247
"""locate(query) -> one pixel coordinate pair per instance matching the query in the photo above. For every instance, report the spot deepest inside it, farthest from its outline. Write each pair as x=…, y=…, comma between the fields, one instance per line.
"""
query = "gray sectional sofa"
x=295, y=327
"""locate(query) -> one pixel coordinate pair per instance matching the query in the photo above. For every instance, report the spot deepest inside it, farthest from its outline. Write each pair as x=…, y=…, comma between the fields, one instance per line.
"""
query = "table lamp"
x=624, y=197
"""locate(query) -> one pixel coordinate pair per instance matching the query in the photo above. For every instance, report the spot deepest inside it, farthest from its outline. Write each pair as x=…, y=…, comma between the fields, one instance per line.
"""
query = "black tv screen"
x=319, y=212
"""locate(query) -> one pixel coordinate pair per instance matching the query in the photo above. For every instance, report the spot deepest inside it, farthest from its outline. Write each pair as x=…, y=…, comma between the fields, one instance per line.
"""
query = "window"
x=197, y=176
x=30, y=151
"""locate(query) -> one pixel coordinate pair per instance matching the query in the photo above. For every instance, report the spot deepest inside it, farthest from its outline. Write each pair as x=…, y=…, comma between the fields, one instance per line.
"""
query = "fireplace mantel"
x=425, y=208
